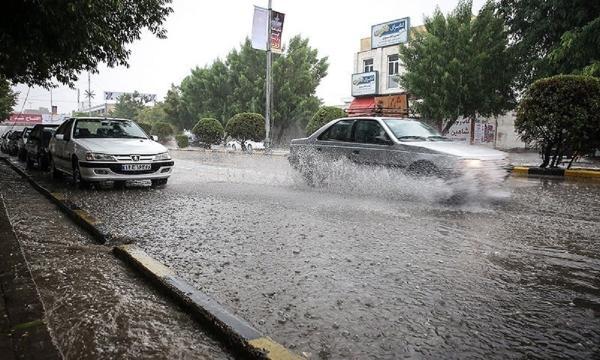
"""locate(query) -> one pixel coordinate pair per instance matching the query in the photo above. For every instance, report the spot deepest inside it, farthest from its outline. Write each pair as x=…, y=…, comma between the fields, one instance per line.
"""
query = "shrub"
x=246, y=126
x=208, y=131
x=182, y=141
x=560, y=115
x=163, y=130
x=324, y=115
x=146, y=127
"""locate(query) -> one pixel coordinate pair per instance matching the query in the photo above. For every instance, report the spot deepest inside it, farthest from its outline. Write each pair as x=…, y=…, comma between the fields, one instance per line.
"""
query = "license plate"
x=136, y=167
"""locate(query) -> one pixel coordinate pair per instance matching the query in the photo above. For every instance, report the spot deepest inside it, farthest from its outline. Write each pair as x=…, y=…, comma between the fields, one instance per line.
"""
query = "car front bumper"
x=112, y=171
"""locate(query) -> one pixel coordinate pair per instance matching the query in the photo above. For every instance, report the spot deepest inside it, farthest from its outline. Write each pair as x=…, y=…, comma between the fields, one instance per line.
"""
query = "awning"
x=361, y=106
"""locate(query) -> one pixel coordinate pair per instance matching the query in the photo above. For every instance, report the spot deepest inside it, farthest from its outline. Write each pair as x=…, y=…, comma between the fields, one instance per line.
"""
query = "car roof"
x=99, y=118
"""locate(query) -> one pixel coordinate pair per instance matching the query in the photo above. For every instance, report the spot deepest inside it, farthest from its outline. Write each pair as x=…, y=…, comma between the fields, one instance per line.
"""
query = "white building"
x=377, y=66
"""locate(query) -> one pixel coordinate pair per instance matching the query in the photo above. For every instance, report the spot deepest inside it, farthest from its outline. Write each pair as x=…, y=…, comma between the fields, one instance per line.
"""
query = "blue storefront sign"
x=390, y=33
x=364, y=83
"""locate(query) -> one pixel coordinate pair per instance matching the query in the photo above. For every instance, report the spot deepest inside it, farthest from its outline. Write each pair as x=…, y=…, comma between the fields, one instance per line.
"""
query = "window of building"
x=368, y=65
x=393, y=70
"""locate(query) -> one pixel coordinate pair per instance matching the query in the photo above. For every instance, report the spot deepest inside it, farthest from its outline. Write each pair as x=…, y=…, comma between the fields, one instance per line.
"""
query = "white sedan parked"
x=107, y=149
x=250, y=145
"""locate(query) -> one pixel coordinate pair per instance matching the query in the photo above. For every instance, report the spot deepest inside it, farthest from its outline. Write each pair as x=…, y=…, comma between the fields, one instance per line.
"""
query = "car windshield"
x=410, y=130
x=103, y=128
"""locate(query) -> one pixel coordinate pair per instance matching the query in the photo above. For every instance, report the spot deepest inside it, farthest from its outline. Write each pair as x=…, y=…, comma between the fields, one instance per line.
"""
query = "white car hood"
x=459, y=149
x=122, y=146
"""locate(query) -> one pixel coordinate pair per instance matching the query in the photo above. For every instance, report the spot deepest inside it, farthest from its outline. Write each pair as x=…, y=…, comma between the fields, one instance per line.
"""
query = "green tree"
x=128, y=106
x=237, y=85
x=163, y=130
x=209, y=131
x=45, y=40
x=182, y=141
x=175, y=109
x=552, y=37
x=246, y=126
x=152, y=114
x=8, y=99
x=460, y=66
x=561, y=115
x=324, y=115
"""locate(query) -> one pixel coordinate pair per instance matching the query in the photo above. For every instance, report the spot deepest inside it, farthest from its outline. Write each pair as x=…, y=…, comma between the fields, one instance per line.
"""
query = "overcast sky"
x=201, y=31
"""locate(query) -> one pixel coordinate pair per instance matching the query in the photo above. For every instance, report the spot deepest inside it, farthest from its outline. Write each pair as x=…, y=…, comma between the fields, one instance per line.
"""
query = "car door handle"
x=355, y=152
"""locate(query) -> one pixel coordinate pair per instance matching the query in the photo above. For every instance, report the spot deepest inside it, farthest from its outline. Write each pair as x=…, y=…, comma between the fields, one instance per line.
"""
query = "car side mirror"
x=154, y=137
x=59, y=136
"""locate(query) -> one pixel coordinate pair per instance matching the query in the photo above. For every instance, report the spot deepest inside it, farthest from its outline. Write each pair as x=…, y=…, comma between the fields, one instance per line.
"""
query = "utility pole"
x=268, y=85
x=89, y=96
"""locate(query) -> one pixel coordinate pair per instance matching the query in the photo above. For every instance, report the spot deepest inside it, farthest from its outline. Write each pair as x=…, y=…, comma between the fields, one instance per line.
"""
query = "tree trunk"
x=546, y=155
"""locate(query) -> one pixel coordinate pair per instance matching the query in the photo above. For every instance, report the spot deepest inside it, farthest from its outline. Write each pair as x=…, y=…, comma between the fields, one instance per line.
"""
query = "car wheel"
x=28, y=162
x=42, y=163
x=159, y=182
x=78, y=181
x=54, y=172
x=423, y=169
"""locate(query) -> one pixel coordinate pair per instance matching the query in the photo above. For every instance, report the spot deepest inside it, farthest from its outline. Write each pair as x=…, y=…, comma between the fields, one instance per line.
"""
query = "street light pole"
x=268, y=85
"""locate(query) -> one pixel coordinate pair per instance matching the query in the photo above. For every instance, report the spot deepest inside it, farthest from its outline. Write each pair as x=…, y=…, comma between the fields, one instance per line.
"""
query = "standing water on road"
x=371, y=267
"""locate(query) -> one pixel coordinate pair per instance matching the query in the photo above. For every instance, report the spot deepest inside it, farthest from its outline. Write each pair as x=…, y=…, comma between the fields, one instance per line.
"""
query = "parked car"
x=36, y=148
x=250, y=145
x=21, y=143
x=12, y=146
x=395, y=142
x=107, y=149
x=4, y=141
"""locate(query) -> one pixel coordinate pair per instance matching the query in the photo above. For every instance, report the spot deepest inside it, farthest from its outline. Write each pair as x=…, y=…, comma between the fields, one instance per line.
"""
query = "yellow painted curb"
x=274, y=351
x=520, y=170
x=146, y=261
x=59, y=196
x=85, y=216
x=583, y=173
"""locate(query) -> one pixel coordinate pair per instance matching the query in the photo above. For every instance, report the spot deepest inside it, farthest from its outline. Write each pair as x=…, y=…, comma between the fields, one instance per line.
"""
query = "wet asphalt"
x=372, y=264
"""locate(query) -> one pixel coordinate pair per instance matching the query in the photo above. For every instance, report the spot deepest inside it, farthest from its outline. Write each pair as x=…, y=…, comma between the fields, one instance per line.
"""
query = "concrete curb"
x=80, y=216
x=233, y=330
x=220, y=151
x=557, y=172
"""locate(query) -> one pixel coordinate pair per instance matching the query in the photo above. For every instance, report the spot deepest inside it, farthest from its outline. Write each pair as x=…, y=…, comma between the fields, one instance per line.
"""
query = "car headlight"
x=162, y=156
x=91, y=156
x=472, y=163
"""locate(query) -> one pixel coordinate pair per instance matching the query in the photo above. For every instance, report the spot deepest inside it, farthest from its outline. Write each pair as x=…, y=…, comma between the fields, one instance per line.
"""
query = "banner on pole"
x=260, y=29
x=276, y=31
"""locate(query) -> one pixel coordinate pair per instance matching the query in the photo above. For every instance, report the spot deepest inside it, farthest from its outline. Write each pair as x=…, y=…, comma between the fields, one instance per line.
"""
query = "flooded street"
x=373, y=264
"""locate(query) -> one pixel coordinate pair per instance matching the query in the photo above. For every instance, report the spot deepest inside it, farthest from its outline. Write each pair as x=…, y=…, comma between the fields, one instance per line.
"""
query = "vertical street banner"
x=260, y=29
x=276, y=31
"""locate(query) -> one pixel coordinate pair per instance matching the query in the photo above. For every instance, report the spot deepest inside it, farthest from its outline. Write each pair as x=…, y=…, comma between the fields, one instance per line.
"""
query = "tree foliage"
x=163, y=130
x=128, y=106
x=8, y=99
x=45, y=40
x=147, y=127
x=237, y=84
x=176, y=111
x=182, y=141
x=561, y=115
x=152, y=114
x=246, y=126
x=553, y=37
x=324, y=115
x=209, y=131
x=460, y=66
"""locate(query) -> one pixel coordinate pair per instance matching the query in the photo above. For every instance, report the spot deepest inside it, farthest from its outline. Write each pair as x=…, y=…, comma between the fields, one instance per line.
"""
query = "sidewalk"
x=23, y=329
x=96, y=307
x=533, y=159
